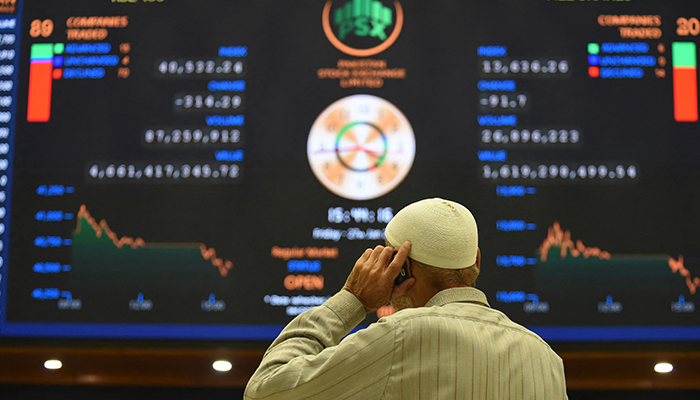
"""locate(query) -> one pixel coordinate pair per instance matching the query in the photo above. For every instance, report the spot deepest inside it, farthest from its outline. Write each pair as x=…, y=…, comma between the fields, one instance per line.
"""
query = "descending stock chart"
x=211, y=169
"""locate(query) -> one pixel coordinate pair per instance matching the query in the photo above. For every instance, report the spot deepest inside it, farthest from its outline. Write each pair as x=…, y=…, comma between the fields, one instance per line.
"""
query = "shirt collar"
x=458, y=294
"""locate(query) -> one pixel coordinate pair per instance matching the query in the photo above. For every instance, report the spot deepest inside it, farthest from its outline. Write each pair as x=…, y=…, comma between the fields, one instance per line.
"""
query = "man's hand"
x=372, y=277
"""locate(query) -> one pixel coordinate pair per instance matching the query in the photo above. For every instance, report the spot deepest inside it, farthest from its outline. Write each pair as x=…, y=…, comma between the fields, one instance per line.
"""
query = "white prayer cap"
x=442, y=233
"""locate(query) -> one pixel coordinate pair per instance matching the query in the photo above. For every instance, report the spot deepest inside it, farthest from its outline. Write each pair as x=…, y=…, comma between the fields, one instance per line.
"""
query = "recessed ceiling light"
x=53, y=364
x=663, y=367
x=222, y=365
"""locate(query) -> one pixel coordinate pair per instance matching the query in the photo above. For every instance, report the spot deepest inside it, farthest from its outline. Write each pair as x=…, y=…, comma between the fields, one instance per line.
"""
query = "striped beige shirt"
x=456, y=347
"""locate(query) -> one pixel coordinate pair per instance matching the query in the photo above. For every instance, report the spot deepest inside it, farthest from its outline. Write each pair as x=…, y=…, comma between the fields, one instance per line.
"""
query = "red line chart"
x=208, y=253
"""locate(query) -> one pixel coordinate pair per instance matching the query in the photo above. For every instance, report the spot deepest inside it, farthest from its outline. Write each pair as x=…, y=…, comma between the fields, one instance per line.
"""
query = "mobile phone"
x=403, y=274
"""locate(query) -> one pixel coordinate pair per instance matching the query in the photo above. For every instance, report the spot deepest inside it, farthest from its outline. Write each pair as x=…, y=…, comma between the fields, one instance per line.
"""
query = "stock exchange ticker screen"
x=210, y=169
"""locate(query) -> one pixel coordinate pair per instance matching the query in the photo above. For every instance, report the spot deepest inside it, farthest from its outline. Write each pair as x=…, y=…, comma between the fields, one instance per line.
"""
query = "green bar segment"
x=377, y=8
x=684, y=55
x=387, y=16
x=41, y=51
x=366, y=8
x=356, y=8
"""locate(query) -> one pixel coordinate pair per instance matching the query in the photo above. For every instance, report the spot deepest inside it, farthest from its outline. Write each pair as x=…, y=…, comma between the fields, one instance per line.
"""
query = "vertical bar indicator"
x=685, y=81
x=40, y=81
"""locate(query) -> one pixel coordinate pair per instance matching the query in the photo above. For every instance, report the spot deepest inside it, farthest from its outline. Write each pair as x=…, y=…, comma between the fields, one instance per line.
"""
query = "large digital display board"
x=210, y=169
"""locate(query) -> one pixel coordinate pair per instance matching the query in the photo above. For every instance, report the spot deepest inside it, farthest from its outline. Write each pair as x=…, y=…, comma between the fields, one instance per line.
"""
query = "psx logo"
x=363, y=18
x=360, y=26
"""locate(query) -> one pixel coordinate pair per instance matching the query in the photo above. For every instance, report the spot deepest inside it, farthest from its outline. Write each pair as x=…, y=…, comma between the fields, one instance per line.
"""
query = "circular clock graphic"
x=361, y=147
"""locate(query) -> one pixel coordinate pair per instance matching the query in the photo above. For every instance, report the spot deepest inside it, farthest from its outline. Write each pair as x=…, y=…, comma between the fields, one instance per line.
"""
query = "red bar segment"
x=40, y=79
x=685, y=94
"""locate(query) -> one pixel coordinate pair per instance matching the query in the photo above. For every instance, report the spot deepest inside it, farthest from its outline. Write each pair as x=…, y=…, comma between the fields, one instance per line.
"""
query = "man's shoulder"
x=457, y=315
x=459, y=310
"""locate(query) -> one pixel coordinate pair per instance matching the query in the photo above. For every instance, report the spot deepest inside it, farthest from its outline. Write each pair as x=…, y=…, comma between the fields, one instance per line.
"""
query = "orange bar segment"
x=40, y=80
x=685, y=92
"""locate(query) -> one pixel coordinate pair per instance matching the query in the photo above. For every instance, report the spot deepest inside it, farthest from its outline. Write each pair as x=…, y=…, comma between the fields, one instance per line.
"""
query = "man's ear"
x=478, y=258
